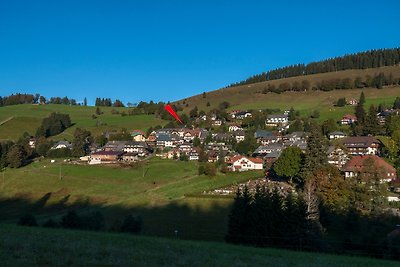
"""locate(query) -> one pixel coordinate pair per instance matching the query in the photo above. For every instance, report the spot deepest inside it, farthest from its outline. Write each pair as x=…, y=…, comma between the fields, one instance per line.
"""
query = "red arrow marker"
x=172, y=112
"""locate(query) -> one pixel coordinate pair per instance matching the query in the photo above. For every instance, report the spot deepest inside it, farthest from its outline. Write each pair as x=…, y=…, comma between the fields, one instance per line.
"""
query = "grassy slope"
x=157, y=197
x=28, y=118
x=23, y=246
x=250, y=96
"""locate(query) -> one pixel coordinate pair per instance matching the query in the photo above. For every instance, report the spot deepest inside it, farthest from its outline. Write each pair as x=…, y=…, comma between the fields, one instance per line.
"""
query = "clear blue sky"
x=168, y=50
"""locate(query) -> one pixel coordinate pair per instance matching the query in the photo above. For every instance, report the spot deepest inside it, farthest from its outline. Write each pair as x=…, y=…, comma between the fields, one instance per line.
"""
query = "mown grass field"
x=31, y=246
x=155, y=190
x=251, y=97
x=27, y=118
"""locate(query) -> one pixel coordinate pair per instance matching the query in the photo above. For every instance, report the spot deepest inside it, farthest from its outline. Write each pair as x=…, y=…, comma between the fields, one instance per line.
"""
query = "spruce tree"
x=315, y=154
x=362, y=98
x=371, y=124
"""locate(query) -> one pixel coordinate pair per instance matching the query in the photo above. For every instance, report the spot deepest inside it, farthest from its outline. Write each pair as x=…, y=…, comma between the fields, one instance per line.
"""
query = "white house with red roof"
x=242, y=163
x=358, y=164
x=348, y=119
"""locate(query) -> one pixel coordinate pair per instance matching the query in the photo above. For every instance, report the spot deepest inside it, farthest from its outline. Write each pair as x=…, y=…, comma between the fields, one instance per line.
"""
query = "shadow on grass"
x=193, y=218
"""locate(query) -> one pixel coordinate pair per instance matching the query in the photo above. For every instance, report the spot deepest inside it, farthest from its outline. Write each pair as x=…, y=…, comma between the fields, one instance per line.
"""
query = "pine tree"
x=315, y=154
x=360, y=113
x=362, y=98
x=371, y=124
x=238, y=222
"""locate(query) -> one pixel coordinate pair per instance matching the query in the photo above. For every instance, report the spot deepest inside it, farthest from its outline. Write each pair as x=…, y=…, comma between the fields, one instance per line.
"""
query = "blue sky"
x=169, y=50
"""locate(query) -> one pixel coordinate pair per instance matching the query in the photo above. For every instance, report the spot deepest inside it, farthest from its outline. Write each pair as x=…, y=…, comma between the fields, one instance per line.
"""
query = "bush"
x=131, y=224
x=71, y=220
x=93, y=221
x=50, y=223
x=27, y=220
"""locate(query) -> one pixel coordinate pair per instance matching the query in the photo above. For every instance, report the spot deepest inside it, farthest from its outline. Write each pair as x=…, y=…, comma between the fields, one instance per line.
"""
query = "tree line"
x=361, y=60
x=93, y=221
x=376, y=81
x=16, y=99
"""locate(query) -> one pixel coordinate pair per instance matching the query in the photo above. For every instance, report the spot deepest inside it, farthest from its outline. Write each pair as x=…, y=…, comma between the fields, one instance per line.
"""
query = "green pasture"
x=27, y=118
x=32, y=246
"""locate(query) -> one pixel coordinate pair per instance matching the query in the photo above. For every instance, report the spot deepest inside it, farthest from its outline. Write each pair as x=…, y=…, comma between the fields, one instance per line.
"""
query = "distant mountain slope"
x=362, y=60
x=257, y=96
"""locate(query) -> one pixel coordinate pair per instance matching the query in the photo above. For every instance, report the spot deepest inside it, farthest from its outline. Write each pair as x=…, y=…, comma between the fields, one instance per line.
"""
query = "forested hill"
x=361, y=60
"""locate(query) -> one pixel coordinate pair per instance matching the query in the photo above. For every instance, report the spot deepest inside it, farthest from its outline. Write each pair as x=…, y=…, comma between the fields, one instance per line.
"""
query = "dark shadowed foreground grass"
x=31, y=246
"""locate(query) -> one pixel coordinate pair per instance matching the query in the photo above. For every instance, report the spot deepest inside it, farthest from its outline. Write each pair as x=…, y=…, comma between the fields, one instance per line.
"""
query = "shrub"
x=71, y=220
x=131, y=224
x=27, y=220
x=50, y=223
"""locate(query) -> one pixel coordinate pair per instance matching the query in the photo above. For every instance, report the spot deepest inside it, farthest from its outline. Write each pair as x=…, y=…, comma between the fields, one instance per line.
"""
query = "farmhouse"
x=242, y=115
x=336, y=135
x=241, y=163
x=138, y=135
x=348, y=119
x=62, y=144
x=360, y=164
x=277, y=119
x=239, y=136
x=234, y=128
x=361, y=145
x=105, y=156
x=337, y=156
x=130, y=157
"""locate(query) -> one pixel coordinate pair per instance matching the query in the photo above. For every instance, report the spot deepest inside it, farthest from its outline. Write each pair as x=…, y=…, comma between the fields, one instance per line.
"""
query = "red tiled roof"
x=356, y=164
x=254, y=160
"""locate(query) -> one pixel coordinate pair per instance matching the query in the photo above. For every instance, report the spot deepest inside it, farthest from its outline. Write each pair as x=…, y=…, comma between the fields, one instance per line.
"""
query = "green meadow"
x=27, y=118
x=32, y=246
x=161, y=191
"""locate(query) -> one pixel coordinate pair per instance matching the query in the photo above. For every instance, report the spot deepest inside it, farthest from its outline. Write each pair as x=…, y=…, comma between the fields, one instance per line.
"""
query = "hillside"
x=156, y=191
x=23, y=246
x=17, y=119
x=251, y=96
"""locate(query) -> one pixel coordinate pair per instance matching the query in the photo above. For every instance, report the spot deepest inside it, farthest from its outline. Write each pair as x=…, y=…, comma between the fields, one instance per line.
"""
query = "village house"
x=262, y=151
x=130, y=157
x=189, y=135
x=242, y=163
x=115, y=146
x=266, y=137
x=194, y=154
x=222, y=137
x=140, y=148
x=357, y=165
x=352, y=102
x=294, y=137
x=277, y=120
x=32, y=142
x=242, y=115
x=362, y=145
x=105, y=157
x=218, y=146
x=336, y=135
x=185, y=147
x=302, y=144
x=348, y=119
x=272, y=157
x=217, y=122
x=382, y=116
x=151, y=140
x=62, y=144
x=138, y=135
x=234, y=128
x=173, y=153
x=239, y=136
x=337, y=156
